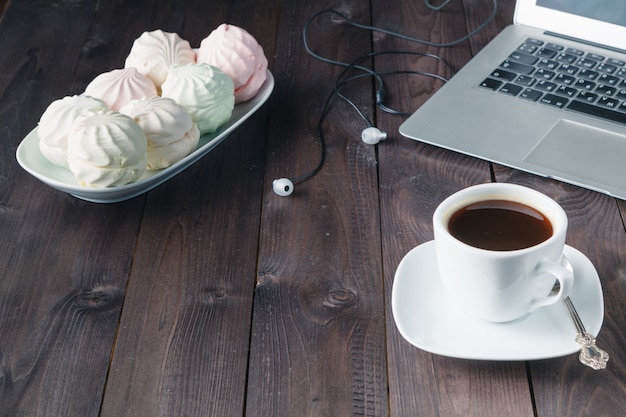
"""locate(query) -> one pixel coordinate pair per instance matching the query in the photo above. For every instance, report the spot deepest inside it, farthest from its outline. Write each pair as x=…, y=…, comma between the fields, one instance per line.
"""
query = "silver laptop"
x=547, y=96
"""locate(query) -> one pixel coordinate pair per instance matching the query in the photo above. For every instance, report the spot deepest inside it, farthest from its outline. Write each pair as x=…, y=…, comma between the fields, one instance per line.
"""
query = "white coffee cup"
x=502, y=285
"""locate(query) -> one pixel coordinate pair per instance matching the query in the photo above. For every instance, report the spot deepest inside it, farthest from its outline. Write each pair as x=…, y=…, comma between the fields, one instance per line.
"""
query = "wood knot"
x=98, y=298
x=93, y=45
x=340, y=298
x=323, y=300
x=214, y=295
x=340, y=15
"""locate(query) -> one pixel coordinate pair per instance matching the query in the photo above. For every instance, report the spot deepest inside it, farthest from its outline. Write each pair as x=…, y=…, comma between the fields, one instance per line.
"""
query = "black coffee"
x=499, y=225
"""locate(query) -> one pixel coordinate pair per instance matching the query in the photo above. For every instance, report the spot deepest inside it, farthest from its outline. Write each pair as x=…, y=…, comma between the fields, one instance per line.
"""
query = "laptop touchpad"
x=582, y=152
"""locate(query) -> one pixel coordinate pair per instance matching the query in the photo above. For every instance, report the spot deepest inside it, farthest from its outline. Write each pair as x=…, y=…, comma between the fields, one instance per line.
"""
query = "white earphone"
x=284, y=186
x=372, y=135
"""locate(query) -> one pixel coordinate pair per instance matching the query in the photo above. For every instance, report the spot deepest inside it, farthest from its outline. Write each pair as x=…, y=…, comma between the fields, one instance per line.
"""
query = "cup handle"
x=563, y=273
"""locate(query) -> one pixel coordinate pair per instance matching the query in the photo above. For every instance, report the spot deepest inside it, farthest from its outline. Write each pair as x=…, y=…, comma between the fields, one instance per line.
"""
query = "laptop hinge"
x=598, y=45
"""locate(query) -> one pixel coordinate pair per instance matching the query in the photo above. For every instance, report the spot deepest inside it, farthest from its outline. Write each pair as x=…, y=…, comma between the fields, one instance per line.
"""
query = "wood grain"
x=182, y=344
x=64, y=262
x=3, y=7
x=211, y=295
x=414, y=179
x=183, y=340
x=317, y=343
x=564, y=386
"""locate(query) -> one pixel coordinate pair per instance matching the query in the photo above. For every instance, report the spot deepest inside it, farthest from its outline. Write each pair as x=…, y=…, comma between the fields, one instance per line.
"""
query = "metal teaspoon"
x=590, y=354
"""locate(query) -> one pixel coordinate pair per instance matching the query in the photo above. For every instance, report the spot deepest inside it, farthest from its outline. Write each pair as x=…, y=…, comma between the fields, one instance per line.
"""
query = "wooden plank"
x=3, y=7
x=31, y=76
x=414, y=179
x=596, y=227
x=57, y=339
x=318, y=333
x=64, y=262
x=183, y=340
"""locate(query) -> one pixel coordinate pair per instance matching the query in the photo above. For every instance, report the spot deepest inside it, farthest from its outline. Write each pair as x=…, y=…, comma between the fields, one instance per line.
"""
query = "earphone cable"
x=436, y=8
x=389, y=32
x=367, y=72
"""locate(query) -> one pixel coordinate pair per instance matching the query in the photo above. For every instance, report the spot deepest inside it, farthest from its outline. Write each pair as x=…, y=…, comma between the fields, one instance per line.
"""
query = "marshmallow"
x=154, y=53
x=170, y=132
x=106, y=149
x=56, y=122
x=205, y=91
x=120, y=86
x=238, y=54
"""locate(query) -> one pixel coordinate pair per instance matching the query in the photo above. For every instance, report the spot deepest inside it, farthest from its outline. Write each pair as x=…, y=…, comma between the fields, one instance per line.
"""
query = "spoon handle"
x=590, y=354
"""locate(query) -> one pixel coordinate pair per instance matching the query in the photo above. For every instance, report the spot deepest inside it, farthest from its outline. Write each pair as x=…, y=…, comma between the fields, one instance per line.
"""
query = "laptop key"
x=616, y=62
x=528, y=48
x=544, y=85
x=608, y=102
x=554, y=100
x=568, y=69
x=608, y=79
x=606, y=68
x=544, y=74
x=587, y=74
x=530, y=94
x=523, y=58
x=491, y=84
x=511, y=89
x=565, y=79
x=517, y=67
x=566, y=91
x=525, y=80
x=575, y=51
x=587, y=63
x=548, y=64
x=546, y=53
x=595, y=57
x=503, y=74
x=587, y=96
x=555, y=46
x=621, y=94
x=601, y=112
x=606, y=89
x=585, y=84
x=566, y=58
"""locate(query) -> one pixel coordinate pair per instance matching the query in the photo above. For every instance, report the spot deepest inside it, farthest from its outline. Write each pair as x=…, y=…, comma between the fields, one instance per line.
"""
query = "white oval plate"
x=31, y=159
x=429, y=320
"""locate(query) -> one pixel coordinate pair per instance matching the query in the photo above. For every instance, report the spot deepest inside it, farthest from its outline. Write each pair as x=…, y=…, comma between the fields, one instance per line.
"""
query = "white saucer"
x=428, y=319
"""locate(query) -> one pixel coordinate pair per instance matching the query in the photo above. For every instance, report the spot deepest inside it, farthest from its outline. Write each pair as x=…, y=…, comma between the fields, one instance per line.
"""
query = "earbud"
x=282, y=187
x=373, y=135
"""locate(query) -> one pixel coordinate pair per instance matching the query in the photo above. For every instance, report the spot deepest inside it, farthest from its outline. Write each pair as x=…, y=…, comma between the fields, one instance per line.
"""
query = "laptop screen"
x=602, y=22
x=611, y=11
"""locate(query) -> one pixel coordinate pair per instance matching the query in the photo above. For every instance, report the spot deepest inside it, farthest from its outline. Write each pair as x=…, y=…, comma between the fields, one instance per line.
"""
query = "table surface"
x=212, y=296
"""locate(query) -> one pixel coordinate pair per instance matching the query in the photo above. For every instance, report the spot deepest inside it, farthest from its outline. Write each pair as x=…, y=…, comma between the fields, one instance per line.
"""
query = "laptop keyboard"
x=563, y=77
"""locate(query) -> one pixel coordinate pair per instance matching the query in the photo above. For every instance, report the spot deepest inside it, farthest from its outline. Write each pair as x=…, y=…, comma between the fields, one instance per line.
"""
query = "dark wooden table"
x=210, y=295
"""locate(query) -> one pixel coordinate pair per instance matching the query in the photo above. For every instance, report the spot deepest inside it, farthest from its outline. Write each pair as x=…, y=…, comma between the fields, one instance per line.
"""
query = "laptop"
x=546, y=96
